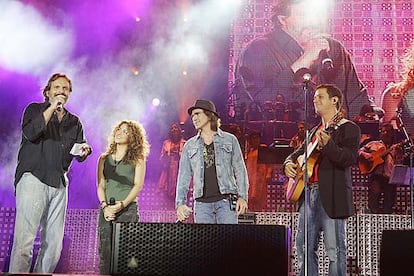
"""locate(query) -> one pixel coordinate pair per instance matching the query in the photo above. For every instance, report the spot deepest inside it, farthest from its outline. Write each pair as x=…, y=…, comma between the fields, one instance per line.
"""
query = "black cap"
x=203, y=104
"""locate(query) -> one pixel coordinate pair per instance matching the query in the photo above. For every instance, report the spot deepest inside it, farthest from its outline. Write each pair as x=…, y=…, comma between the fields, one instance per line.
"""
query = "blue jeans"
x=38, y=204
x=214, y=213
x=334, y=237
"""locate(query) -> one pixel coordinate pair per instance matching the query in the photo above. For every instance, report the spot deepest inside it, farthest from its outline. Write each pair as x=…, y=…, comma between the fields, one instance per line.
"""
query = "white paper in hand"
x=76, y=149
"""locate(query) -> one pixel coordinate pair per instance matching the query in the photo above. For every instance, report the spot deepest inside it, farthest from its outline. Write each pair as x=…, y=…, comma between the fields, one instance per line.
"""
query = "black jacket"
x=334, y=171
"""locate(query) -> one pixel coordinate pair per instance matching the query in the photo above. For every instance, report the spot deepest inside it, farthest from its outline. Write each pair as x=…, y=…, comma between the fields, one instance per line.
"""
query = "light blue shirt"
x=231, y=169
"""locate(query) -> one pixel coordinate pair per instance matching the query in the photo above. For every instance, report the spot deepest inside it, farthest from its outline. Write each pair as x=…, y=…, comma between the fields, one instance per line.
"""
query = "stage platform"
x=80, y=253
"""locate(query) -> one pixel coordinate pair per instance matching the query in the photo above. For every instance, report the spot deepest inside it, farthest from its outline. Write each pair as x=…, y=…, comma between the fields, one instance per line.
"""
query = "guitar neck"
x=311, y=148
x=391, y=148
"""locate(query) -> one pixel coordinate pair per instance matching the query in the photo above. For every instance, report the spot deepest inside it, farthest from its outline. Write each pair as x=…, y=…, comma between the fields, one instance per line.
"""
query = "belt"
x=314, y=185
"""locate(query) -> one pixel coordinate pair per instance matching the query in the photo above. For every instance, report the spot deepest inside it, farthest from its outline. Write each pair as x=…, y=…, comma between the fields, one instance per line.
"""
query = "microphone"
x=111, y=201
x=326, y=61
x=307, y=77
x=303, y=75
x=59, y=106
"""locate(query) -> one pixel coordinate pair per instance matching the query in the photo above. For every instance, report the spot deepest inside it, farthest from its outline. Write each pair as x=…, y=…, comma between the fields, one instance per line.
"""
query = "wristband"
x=102, y=202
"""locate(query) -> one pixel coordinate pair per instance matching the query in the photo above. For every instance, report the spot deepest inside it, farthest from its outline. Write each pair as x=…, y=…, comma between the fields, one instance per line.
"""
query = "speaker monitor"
x=400, y=175
x=200, y=249
x=397, y=252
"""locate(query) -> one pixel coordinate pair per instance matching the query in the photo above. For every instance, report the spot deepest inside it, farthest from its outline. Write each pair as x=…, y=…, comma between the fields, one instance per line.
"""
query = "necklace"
x=116, y=163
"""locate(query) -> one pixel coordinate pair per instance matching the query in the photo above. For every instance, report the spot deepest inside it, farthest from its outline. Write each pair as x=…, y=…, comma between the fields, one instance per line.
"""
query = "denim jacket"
x=231, y=169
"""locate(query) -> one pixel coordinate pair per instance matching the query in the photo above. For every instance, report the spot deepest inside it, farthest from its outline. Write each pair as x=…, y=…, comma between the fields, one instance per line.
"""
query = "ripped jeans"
x=38, y=205
x=334, y=237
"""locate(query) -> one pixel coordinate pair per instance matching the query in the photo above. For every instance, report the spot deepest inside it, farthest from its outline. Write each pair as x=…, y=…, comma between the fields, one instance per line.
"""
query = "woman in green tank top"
x=121, y=172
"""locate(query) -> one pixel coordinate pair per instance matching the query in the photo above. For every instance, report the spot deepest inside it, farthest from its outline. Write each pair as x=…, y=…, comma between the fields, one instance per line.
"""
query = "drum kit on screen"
x=273, y=120
x=276, y=122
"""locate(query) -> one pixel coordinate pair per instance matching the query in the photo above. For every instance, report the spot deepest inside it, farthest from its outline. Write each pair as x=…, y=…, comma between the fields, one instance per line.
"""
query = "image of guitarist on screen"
x=377, y=158
x=333, y=149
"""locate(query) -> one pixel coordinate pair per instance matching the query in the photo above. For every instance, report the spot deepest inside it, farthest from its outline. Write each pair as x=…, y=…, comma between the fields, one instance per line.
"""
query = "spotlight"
x=156, y=102
x=135, y=71
x=137, y=19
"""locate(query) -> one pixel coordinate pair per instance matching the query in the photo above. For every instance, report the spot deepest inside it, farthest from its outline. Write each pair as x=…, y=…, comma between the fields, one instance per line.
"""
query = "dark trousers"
x=129, y=214
x=378, y=189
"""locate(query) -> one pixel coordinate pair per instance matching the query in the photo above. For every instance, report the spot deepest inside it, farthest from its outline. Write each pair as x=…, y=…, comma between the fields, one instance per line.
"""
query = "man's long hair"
x=214, y=119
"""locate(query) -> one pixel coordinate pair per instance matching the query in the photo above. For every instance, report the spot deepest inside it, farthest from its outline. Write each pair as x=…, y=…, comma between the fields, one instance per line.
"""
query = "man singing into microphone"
x=276, y=62
x=49, y=132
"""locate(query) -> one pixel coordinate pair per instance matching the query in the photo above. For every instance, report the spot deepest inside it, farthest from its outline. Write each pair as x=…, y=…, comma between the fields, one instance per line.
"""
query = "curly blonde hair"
x=138, y=146
x=407, y=72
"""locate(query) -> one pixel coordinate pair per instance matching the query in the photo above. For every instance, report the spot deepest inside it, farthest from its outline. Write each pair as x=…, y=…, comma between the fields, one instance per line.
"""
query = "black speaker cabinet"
x=397, y=252
x=200, y=249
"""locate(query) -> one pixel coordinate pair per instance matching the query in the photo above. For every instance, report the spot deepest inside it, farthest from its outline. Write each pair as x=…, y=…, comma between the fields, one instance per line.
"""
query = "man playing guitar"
x=377, y=158
x=330, y=185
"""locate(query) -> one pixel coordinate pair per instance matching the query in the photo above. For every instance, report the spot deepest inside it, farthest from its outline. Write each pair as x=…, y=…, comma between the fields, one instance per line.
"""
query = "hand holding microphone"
x=326, y=61
x=59, y=106
x=321, y=42
x=108, y=211
x=111, y=201
x=58, y=102
x=313, y=48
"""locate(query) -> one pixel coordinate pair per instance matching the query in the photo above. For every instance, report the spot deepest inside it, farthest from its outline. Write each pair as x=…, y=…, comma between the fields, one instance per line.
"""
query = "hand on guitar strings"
x=323, y=138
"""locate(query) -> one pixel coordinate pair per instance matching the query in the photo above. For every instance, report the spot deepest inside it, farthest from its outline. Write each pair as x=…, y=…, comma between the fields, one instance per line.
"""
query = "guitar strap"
x=341, y=122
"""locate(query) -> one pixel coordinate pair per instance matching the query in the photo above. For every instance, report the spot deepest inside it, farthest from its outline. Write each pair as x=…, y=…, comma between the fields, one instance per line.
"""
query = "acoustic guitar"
x=378, y=151
x=295, y=186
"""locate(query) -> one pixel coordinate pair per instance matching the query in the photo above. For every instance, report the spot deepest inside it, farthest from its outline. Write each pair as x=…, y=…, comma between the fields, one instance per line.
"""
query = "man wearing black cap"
x=214, y=160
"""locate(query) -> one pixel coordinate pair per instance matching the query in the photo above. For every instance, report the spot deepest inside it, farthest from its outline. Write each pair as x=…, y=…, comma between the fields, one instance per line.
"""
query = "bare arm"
x=140, y=169
x=101, y=181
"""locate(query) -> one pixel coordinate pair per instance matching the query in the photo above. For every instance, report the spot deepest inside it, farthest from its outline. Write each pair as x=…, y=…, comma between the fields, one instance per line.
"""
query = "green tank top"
x=119, y=178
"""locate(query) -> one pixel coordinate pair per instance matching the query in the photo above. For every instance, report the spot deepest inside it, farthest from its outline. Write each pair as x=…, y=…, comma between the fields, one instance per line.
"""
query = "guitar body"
x=377, y=150
x=295, y=186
